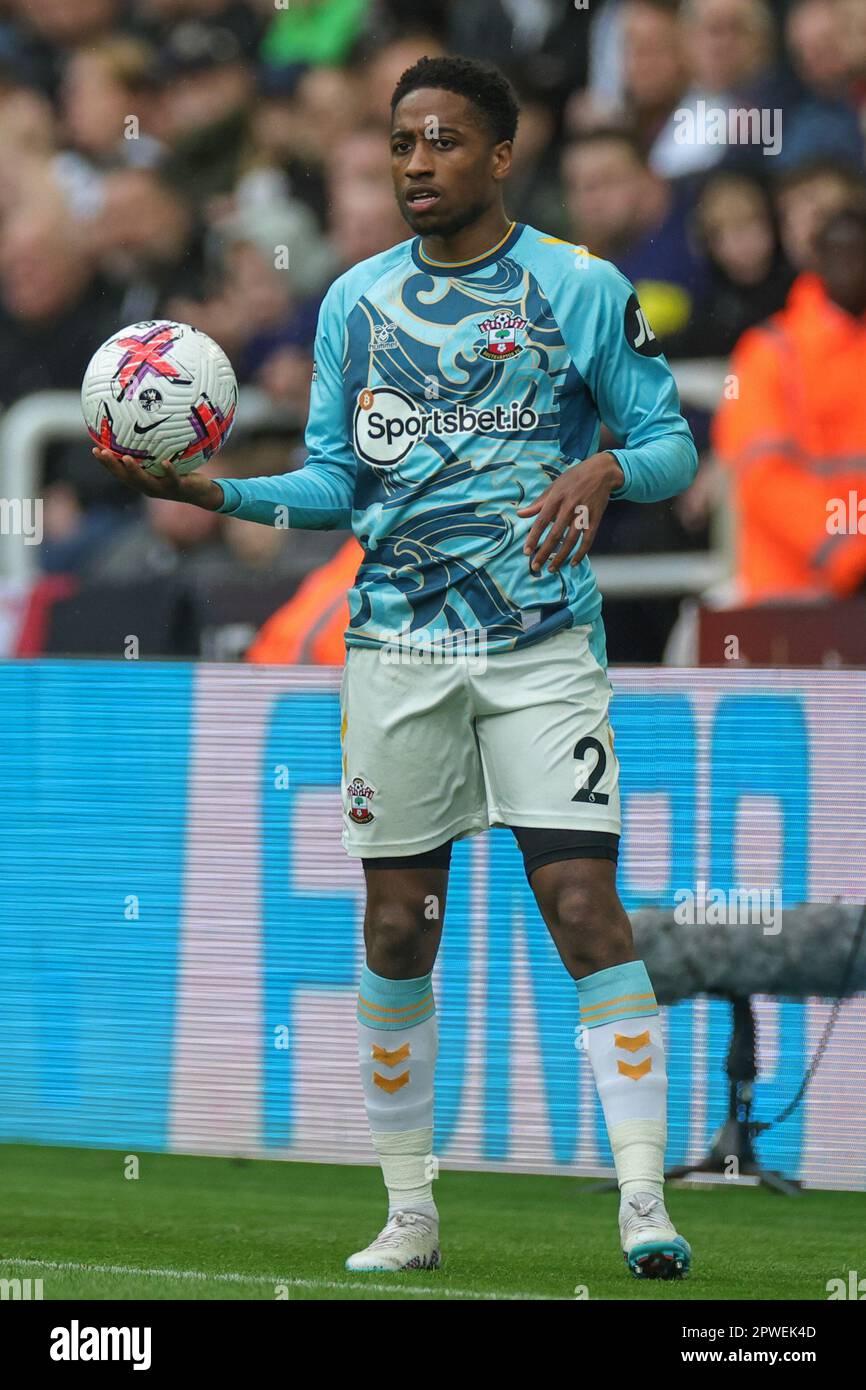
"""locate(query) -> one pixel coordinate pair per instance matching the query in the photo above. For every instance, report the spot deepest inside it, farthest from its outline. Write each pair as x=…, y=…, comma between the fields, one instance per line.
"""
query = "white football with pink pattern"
x=160, y=391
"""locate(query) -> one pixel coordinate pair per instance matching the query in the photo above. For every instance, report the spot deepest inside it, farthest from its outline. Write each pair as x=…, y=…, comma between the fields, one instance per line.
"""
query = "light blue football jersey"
x=443, y=398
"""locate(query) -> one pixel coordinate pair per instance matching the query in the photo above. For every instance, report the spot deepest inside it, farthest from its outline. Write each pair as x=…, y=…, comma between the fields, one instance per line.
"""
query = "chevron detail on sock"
x=390, y=1058
x=635, y=1070
x=632, y=1044
x=391, y=1083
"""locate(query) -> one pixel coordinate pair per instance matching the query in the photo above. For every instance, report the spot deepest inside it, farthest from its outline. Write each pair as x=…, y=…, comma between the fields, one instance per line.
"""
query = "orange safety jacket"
x=309, y=628
x=794, y=438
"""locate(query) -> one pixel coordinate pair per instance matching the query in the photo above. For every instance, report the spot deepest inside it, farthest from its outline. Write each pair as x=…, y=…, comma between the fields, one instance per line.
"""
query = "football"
x=160, y=391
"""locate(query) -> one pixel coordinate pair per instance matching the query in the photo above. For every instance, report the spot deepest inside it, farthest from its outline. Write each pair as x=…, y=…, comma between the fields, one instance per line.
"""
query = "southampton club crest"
x=502, y=330
x=360, y=794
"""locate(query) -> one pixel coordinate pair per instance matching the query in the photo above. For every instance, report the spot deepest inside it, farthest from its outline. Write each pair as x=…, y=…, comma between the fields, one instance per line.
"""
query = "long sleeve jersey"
x=446, y=396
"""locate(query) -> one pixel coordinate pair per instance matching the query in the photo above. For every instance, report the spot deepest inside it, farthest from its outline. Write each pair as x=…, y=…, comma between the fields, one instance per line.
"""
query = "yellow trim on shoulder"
x=472, y=259
x=578, y=250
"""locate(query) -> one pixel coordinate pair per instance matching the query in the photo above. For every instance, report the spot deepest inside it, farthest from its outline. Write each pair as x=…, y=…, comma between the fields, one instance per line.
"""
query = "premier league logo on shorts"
x=359, y=801
x=502, y=330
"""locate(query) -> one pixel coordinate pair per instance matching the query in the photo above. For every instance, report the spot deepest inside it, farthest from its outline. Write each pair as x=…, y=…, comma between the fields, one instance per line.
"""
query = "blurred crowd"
x=154, y=153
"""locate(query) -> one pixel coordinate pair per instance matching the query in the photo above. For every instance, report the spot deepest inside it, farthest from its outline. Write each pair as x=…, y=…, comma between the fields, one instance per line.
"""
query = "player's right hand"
x=174, y=487
x=130, y=472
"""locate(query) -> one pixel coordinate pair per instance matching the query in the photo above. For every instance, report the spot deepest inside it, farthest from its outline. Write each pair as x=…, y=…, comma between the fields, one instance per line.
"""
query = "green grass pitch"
x=216, y=1228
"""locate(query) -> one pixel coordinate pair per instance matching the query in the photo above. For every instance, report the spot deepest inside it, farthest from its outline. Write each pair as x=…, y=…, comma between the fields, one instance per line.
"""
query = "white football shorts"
x=439, y=748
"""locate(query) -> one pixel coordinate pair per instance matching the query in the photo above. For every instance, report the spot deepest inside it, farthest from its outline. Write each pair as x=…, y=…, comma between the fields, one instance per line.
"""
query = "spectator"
x=310, y=627
x=546, y=41
x=274, y=269
x=53, y=311
x=818, y=117
x=72, y=530
x=364, y=217
x=645, y=70
x=793, y=437
x=300, y=121
x=106, y=99
x=620, y=209
x=852, y=43
x=149, y=242
x=282, y=306
x=654, y=67
x=730, y=46
x=314, y=32
x=806, y=197
x=749, y=277
x=605, y=89
x=205, y=547
x=167, y=537
x=52, y=29
x=533, y=187
x=814, y=35
x=383, y=66
x=254, y=553
x=67, y=23
x=209, y=85
x=27, y=139
x=259, y=551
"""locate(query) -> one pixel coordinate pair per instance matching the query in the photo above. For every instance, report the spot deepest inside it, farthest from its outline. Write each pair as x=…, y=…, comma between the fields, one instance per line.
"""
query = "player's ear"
x=501, y=158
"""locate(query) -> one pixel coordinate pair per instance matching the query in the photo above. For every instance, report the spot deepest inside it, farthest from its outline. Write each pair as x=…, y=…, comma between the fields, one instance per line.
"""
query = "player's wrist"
x=203, y=492
x=615, y=474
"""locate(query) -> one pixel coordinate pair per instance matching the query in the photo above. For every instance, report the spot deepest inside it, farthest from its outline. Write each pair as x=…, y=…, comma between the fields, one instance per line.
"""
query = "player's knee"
x=398, y=940
x=593, y=929
x=575, y=906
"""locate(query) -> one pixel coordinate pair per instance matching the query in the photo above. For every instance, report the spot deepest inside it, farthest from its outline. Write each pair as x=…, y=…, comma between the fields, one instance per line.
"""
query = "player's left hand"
x=570, y=511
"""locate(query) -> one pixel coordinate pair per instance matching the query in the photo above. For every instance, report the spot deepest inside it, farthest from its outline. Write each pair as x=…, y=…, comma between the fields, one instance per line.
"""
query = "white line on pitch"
x=356, y=1285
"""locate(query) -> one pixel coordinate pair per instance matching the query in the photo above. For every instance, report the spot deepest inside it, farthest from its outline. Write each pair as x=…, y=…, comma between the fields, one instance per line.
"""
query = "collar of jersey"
x=466, y=267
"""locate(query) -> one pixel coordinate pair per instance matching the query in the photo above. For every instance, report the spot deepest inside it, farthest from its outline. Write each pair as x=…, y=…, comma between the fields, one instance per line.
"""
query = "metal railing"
x=47, y=417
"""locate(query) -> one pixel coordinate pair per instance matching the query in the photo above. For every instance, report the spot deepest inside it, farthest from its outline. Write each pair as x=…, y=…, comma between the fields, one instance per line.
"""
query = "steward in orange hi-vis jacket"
x=309, y=628
x=795, y=437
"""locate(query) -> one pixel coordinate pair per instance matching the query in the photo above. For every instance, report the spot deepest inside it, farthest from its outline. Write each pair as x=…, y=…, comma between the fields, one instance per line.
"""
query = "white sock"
x=407, y=1167
x=634, y=1099
x=397, y=1047
x=623, y=1036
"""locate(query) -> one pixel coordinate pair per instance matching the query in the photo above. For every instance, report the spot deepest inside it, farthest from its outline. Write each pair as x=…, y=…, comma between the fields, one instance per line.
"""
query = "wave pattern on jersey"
x=449, y=547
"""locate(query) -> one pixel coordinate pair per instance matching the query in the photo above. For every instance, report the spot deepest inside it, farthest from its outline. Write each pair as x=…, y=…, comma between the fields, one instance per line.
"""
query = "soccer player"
x=459, y=383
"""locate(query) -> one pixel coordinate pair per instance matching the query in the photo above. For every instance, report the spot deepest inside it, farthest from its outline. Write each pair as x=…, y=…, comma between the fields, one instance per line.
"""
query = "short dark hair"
x=820, y=166
x=481, y=83
x=608, y=135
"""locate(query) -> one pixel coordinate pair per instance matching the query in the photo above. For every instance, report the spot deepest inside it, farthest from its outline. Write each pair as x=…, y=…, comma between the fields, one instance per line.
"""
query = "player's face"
x=445, y=166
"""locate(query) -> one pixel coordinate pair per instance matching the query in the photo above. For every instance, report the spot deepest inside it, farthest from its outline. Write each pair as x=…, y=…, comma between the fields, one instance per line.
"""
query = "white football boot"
x=650, y=1244
x=408, y=1241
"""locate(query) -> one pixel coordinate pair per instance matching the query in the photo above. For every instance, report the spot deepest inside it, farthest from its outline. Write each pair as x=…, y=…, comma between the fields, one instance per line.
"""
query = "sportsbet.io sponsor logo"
x=388, y=423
